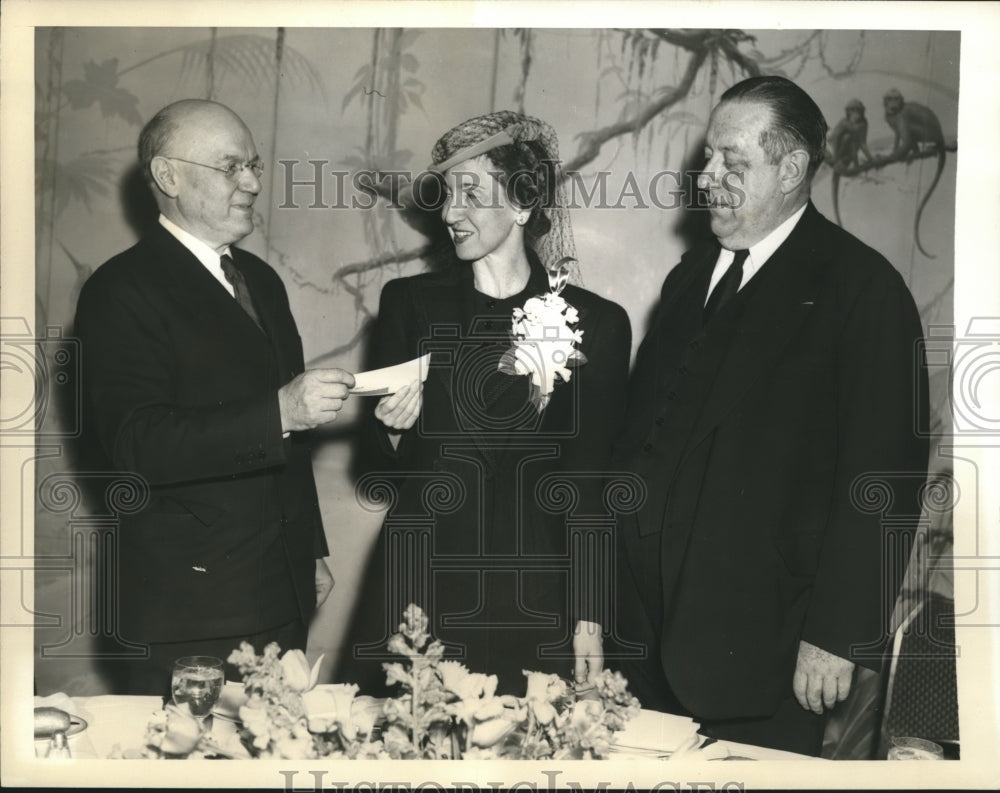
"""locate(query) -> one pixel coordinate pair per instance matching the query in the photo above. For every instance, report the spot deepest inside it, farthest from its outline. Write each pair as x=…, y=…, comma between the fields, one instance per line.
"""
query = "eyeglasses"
x=232, y=172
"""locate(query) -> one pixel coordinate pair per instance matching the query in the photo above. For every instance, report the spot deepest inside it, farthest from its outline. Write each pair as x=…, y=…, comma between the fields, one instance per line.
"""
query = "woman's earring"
x=522, y=219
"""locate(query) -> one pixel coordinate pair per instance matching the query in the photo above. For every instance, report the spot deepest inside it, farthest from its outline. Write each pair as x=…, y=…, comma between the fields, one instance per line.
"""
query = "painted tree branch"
x=358, y=268
x=591, y=142
x=385, y=259
x=700, y=44
x=880, y=161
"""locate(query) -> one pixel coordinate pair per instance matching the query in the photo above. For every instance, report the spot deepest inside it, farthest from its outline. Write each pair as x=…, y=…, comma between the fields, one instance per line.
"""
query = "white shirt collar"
x=202, y=251
x=764, y=249
x=759, y=253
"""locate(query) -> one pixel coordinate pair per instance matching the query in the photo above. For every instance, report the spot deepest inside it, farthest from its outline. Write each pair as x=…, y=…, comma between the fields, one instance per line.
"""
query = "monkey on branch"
x=914, y=125
x=848, y=139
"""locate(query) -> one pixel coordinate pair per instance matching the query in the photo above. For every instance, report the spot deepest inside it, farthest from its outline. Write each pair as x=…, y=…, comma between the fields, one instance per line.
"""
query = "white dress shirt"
x=759, y=253
x=203, y=252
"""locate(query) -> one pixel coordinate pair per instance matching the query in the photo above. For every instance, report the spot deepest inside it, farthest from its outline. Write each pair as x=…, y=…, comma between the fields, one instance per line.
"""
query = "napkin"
x=80, y=744
x=658, y=734
x=230, y=701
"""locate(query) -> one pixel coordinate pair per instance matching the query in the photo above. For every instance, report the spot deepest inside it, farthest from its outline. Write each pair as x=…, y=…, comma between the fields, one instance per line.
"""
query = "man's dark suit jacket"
x=763, y=439
x=182, y=388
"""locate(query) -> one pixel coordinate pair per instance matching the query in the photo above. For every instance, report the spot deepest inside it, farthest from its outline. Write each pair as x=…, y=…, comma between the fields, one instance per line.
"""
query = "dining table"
x=115, y=726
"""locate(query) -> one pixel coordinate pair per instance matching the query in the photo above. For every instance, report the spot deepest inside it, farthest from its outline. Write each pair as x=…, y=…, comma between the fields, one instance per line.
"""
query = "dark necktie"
x=727, y=287
x=235, y=276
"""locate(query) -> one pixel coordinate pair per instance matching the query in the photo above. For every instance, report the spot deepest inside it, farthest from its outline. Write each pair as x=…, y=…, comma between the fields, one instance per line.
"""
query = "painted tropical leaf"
x=79, y=179
x=414, y=98
x=362, y=80
x=408, y=36
x=100, y=85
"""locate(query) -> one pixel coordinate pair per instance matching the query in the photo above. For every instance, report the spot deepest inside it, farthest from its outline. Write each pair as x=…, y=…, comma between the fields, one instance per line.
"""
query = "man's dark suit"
x=753, y=435
x=183, y=390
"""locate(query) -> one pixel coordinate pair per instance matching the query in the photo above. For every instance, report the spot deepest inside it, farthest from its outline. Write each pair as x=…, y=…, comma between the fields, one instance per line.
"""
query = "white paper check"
x=389, y=380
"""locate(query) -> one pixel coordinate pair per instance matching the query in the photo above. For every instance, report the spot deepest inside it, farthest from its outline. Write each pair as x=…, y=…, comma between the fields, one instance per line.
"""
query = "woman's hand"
x=400, y=410
x=588, y=650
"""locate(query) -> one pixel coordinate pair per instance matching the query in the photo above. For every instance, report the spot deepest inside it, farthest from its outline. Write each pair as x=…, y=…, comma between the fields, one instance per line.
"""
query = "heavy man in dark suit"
x=194, y=373
x=781, y=371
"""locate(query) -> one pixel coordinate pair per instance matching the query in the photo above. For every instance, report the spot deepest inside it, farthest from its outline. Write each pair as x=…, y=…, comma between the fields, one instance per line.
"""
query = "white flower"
x=543, y=691
x=182, y=732
x=330, y=707
x=365, y=711
x=489, y=733
x=586, y=713
x=296, y=670
x=465, y=684
x=544, y=344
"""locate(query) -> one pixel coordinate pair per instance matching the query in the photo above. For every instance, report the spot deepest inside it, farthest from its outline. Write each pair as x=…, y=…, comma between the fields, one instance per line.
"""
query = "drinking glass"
x=197, y=684
x=904, y=748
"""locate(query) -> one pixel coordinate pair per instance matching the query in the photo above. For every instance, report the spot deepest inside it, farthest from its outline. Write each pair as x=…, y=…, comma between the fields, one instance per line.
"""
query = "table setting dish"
x=59, y=713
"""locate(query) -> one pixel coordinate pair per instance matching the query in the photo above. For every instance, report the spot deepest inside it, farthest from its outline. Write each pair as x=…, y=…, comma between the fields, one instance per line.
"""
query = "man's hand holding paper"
x=313, y=398
x=387, y=381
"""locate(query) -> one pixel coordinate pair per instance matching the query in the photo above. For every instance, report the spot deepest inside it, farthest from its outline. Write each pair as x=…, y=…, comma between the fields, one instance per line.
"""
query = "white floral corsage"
x=543, y=343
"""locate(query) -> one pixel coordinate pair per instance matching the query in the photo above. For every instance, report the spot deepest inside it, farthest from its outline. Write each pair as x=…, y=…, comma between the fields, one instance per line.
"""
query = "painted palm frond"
x=248, y=58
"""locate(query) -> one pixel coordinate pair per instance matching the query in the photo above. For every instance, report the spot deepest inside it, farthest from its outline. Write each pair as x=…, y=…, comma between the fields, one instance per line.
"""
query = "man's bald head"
x=180, y=119
x=204, y=170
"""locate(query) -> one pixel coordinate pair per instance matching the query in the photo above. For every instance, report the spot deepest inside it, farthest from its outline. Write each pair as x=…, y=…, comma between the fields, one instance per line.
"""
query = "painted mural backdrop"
x=328, y=105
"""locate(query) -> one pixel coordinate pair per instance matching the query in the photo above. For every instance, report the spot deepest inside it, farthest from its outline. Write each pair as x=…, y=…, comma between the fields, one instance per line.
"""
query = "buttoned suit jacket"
x=181, y=388
x=764, y=440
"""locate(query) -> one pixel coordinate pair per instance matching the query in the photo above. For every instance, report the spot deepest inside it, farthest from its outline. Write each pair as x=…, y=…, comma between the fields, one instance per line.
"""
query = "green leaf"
x=100, y=85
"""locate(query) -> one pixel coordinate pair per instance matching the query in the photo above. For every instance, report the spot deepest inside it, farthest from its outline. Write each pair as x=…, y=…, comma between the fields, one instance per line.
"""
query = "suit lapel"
x=681, y=313
x=771, y=318
x=195, y=290
x=273, y=319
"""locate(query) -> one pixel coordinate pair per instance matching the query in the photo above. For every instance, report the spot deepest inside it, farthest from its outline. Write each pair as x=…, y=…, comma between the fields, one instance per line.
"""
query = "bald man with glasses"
x=194, y=379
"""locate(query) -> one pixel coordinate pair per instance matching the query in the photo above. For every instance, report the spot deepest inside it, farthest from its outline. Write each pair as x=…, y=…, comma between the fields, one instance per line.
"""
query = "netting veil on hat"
x=482, y=134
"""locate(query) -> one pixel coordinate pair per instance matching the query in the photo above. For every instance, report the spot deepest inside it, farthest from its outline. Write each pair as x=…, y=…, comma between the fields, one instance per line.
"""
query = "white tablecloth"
x=122, y=720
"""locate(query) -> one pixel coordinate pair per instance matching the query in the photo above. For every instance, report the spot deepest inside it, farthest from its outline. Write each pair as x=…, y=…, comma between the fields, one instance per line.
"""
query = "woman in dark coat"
x=476, y=533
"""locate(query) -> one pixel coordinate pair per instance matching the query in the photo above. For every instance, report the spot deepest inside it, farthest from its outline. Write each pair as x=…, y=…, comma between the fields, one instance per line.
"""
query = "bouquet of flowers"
x=443, y=711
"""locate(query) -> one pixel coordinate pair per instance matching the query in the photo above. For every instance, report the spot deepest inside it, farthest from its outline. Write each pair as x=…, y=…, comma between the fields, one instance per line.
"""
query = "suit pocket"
x=799, y=553
x=173, y=507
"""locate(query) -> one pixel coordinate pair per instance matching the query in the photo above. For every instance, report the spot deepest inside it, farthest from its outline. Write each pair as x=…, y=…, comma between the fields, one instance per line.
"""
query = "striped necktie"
x=235, y=276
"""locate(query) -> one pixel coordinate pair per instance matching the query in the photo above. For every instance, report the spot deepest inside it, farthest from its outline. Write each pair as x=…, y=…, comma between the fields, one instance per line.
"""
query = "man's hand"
x=588, y=651
x=398, y=411
x=324, y=582
x=313, y=398
x=820, y=678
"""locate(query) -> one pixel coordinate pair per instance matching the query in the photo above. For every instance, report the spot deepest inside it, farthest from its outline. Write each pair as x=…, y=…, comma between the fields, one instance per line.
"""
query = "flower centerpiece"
x=443, y=711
